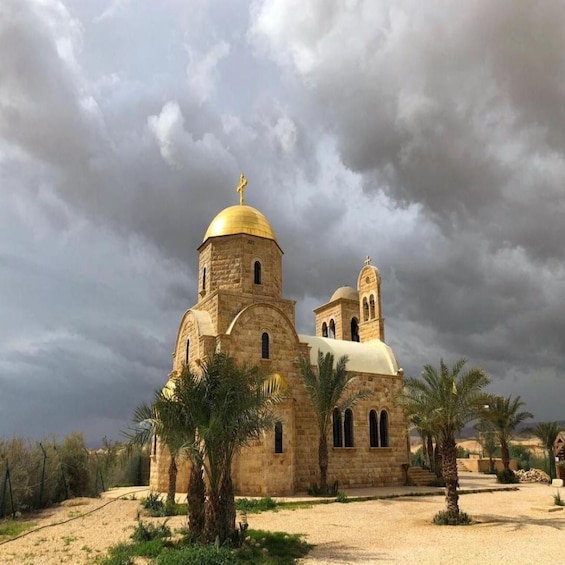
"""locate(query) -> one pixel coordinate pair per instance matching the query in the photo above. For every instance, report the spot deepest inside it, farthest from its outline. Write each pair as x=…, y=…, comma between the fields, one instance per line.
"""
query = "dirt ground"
x=510, y=526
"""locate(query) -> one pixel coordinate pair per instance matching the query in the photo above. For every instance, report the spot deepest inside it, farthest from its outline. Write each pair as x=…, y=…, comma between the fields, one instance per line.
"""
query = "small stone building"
x=241, y=310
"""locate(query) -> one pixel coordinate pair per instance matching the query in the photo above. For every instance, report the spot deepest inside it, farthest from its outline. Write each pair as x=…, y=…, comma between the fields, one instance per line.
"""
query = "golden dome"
x=240, y=219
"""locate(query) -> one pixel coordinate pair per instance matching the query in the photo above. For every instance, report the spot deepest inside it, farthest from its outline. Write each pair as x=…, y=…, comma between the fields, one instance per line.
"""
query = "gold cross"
x=241, y=189
x=367, y=260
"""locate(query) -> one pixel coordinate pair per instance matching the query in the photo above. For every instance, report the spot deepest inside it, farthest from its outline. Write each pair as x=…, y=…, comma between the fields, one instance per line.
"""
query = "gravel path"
x=508, y=529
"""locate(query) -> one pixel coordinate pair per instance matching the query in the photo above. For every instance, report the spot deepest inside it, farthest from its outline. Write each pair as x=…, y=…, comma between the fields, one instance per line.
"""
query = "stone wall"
x=342, y=311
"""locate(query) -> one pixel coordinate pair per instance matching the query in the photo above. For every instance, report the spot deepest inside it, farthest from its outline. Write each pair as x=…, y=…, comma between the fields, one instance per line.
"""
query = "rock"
x=532, y=476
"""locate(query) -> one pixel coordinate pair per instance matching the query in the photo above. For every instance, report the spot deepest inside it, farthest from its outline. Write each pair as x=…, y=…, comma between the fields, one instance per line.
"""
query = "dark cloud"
x=429, y=138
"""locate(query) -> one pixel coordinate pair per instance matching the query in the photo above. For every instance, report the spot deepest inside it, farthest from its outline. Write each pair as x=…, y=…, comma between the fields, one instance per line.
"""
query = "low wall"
x=481, y=465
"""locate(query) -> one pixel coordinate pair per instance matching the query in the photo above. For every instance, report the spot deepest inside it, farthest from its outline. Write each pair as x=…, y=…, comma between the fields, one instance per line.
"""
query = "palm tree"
x=448, y=400
x=162, y=419
x=504, y=416
x=547, y=433
x=172, y=418
x=326, y=387
x=237, y=407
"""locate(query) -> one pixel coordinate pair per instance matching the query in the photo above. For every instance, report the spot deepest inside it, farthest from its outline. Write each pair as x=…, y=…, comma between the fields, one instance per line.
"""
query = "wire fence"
x=37, y=475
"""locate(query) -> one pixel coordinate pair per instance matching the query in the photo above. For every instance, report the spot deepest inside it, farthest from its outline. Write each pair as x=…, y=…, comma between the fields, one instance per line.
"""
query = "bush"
x=522, y=455
x=341, y=497
x=446, y=518
x=44, y=473
x=507, y=477
x=557, y=500
x=462, y=453
x=417, y=458
x=254, y=506
x=197, y=555
x=145, y=531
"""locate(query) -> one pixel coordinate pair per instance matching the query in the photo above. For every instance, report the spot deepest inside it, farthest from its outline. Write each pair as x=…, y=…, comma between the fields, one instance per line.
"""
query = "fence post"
x=62, y=473
x=7, y=481
x=42, y=483
x=3, y=492
x=99, y=471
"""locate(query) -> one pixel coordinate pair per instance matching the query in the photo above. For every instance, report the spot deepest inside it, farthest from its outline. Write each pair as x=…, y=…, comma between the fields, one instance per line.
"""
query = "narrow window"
x=332, y=329
x=372, y=305
x=365, y=310
x=373, y=429
x=257, y=272
x=278, y=438
x=154, y=444
x=337, y=430
x=204, y=278
x=354, y=330
x=348, y=427
x=265, y=345
x=324, y=330
x=187, y=356
x=384, y=429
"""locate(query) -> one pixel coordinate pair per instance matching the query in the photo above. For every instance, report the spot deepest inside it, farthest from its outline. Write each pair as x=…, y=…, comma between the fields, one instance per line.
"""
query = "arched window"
x=365, y=310
x=348, y=427
x=324, y=330
x=257, y=272
x=372, y=305
x=337, y=430
x=373, y=429
x=332, y=329
x=354, y=330
x=278, y=437
x=187, y=355
x=204, y=278
x=384, y=429
x=265, y=345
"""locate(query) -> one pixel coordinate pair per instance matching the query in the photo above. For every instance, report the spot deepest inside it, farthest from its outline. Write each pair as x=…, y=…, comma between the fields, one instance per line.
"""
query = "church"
x=241, y=310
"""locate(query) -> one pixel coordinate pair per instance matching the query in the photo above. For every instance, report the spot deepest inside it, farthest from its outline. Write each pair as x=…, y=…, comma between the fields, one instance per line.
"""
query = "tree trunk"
x=212, y=528
x=430, y=452
x=196, y=499
x=449, y=472
x=172, y=488
x=552, y=468
x=438, y=460
x=505, y=454
x=227, y=501
x=323, y=462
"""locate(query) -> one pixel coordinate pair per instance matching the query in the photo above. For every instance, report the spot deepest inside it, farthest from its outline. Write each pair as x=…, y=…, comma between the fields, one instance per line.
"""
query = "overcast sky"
x=427, y=135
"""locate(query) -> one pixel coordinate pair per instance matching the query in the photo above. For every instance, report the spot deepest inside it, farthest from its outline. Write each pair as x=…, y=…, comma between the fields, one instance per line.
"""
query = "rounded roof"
x=240, y=219
x=373, y=357
x=345, y=292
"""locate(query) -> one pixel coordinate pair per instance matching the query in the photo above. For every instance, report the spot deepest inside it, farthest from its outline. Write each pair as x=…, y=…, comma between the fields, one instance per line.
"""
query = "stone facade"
x=240, y=305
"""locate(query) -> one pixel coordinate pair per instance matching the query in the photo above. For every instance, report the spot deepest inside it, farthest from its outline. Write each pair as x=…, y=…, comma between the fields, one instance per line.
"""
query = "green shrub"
x=417, y=458
x=446, y=518
x=462, y=453
x=146, y=531
x=341, y=497
x=557, y=500
x=507, y=477
x=254, y=506
x=197, y=555
x=154, y=503
x=522, y=455
x=120, y=554
x=46, y=472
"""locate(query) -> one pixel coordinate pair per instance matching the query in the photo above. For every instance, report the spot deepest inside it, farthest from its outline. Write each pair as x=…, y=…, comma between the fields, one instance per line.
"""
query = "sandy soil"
x=513, y=527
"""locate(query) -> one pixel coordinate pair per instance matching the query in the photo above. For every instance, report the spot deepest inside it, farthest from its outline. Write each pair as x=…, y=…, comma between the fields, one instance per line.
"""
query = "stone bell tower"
x=371, y=321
